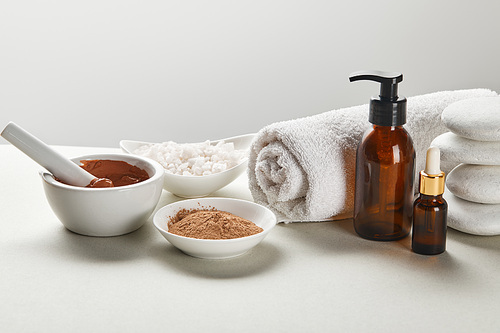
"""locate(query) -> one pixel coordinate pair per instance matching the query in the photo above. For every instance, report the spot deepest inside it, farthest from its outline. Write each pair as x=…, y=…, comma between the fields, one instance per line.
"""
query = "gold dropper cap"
x=432, y=178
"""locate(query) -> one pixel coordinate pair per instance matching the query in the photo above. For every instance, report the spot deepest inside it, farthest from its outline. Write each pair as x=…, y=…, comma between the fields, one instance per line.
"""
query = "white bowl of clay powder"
x=194, y=170
x=215, y=221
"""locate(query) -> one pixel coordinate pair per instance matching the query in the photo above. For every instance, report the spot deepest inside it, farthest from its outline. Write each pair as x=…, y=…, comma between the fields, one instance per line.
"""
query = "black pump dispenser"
x=388, y=109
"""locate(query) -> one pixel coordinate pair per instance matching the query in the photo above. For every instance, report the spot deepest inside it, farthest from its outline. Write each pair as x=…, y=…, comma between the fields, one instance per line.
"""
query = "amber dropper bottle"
x=430, y=209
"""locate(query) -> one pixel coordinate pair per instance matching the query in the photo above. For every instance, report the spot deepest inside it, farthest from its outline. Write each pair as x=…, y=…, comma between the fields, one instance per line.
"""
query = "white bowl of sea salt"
x=262, y=217
x=194, y=170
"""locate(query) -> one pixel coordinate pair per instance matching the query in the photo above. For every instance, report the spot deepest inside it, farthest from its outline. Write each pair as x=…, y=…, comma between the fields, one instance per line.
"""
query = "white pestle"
x=61, y=167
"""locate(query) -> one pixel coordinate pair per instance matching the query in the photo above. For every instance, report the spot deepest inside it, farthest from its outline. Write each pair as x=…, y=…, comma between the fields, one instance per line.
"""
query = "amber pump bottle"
x=385, y=165
x=430, y=209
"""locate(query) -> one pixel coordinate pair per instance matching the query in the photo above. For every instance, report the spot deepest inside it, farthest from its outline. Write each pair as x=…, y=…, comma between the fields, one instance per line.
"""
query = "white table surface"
x=304, y=277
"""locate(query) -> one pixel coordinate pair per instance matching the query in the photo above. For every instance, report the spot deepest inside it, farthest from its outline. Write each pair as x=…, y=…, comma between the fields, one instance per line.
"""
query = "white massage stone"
x=457, y=149
x=475, y=118
x=477, y=183
x=473, y=218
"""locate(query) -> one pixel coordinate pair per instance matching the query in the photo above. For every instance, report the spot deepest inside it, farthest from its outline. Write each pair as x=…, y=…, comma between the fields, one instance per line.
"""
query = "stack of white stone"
x=473, y=146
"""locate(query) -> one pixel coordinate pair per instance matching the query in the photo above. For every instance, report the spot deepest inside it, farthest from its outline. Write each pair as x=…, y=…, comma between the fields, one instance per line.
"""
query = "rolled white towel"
x=304, y=169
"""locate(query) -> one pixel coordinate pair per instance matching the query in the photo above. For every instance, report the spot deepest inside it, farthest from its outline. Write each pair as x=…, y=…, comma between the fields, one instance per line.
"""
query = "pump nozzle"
x=388, y=82
x=388, y=109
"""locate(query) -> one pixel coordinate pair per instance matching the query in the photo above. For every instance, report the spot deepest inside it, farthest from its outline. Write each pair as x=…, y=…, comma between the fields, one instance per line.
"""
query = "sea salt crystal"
x=193, y=159
x=218, y=167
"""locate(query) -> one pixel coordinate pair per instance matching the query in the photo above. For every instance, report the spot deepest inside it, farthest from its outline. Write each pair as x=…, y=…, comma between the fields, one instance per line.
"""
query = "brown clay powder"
x=211, y=224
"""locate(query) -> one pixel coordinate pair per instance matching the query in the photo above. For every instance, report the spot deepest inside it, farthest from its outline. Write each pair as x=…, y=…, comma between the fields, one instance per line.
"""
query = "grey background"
x=91, y=73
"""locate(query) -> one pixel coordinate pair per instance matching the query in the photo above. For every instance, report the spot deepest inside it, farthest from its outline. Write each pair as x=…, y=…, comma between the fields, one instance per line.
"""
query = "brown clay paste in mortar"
x=111, y=173
x=120, y=173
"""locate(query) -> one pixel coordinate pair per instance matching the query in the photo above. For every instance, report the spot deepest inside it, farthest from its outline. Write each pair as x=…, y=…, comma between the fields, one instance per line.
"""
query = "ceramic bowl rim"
x=215, y=241
x=49, y=179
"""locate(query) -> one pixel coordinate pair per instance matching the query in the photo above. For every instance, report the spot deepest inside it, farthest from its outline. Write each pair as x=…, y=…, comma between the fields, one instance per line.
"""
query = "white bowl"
x=109, y=211
x=199, y=186
x=214, y=248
